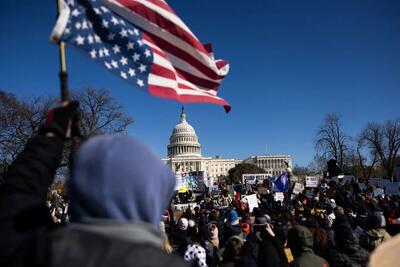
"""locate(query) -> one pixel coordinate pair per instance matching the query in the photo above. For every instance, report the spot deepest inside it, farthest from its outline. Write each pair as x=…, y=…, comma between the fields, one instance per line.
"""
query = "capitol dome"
x=183, y=140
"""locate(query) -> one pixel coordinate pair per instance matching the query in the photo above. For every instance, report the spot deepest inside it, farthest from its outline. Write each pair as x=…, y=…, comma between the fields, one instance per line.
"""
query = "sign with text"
x=311, y=181
x=298, y=188
x=279, y=196
x=256, y=178
x=252, y=201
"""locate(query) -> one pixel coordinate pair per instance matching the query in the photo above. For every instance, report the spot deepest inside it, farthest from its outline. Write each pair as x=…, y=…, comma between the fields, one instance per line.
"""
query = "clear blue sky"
x=291, y=63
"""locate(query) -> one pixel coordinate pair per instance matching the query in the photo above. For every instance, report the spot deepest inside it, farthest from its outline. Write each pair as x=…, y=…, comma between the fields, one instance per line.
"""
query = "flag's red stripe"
x=170, y=93
x=170, y=48
x=196, y=80
x=190, y=77
x=163, y=23
x=162, y=71
x=163, y=5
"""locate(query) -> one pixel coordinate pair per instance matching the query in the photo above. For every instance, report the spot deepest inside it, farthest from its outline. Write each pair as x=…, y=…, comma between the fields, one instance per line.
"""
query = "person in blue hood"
x=118, y=191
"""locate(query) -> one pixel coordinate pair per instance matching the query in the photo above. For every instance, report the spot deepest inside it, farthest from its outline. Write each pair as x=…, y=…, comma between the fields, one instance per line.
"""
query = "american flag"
x=145, y=43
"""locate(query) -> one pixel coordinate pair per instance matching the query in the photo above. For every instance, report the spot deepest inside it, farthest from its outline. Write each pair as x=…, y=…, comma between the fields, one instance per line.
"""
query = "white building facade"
x=273, y=164
x=184, y=154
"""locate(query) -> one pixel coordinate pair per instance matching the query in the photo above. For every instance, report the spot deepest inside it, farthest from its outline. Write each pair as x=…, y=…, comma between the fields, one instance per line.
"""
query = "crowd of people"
x=339, y=225
x=122, y=210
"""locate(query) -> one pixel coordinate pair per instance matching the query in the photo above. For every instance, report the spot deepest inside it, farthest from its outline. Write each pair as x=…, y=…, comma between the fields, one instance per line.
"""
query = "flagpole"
x=63, y=64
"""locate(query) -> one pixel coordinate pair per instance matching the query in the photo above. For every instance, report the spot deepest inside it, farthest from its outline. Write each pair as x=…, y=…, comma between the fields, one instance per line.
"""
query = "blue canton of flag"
x=108, y=39
x=281, y=184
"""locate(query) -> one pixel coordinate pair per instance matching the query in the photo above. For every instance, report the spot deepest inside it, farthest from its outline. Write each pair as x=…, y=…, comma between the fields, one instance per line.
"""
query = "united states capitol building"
x=184, y=154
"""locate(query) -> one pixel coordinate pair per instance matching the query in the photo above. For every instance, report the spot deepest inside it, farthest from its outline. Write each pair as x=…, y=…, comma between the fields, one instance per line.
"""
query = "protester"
x=118, y=192
x=300, y=242
x=376, y=234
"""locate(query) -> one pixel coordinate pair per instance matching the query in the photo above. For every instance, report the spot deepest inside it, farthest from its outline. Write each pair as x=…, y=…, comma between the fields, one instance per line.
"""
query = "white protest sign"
x=178, y=181
x=379, y=192
x=254, y=178
x=252, y=201
x=298, y=188
x=311, y=181
x=279, y=196
x=184, y=206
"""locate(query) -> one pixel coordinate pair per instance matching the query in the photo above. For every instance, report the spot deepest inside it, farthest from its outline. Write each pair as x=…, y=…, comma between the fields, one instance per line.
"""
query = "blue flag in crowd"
x=282, y=183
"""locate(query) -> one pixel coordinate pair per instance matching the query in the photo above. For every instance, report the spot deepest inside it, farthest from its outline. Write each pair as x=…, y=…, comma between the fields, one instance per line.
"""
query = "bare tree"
x=383, y=140
x=331, y=141
x=20, y=119
x=367, y=158
x=101, y=113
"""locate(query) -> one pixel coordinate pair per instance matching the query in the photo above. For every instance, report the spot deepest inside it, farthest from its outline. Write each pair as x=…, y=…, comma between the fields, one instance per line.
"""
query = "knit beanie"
x=233, y=218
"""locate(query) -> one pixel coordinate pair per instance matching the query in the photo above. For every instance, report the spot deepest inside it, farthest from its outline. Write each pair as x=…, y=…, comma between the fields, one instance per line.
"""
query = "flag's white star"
x=136, y=31
x=140, y=42
x=93, y=53
x=136, y=57
x=84, y=25
x=107, y=65
x=75, y=13
x=97, y=39
x=114, y=64
x=142, y=68
x=147, y=53
x=122, y=21
x=130, y=32
x=131, y=72
x=67, y=31
x=123, y=33
x=114, y=20
x=78, y=25
x=71, y=2
x=105, y=10
x=80, y=40
x=106, y=52
x=116, y=49
x=101, y=53
x=98, y=12
x=104, y=23
x=129, y=45
x=90, y=25
x=124, y=61
x=111, y=36
x=90, y=39
x=140, y=82
x=123, y=75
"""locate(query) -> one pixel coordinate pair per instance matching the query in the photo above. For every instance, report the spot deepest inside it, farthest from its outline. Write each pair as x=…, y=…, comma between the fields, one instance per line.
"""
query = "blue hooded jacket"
x=119, y=178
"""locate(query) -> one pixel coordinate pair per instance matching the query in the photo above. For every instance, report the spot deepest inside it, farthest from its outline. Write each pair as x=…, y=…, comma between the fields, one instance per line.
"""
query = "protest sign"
x=298, y=188
x=184, y=206
x=279, y=196
x=178, y=181
x=252, y=201
x=311, y=181
x=378, y=192
x=256, y=178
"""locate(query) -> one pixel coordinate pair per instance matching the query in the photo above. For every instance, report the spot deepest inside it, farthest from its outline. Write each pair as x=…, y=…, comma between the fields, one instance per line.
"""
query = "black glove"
x=63, y=121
